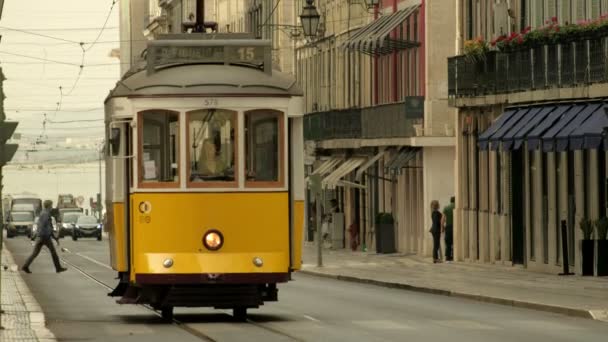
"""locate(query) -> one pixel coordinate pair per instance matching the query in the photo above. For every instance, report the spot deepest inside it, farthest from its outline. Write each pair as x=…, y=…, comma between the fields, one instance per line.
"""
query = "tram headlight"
x=213, y=240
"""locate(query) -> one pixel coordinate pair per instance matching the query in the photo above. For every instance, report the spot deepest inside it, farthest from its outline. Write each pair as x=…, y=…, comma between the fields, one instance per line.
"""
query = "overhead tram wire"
x=104, y=26
x=39, y=34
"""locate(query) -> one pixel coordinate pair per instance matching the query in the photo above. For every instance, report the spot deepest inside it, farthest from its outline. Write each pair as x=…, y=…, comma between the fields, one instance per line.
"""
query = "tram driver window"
x=263, y=139
x=160, y=134
x=211, y=144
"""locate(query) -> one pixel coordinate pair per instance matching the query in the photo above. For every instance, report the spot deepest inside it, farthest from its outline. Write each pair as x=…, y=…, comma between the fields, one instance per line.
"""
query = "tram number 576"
x=210, y=102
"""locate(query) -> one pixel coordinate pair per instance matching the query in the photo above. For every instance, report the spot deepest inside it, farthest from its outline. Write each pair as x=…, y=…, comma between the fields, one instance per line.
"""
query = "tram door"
x=119, y=176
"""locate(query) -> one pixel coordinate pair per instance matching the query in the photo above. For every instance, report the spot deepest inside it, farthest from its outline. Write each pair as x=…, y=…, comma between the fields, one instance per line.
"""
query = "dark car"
x=87, y=226
x=20, y=223
x=35, y=228
x=68, y=221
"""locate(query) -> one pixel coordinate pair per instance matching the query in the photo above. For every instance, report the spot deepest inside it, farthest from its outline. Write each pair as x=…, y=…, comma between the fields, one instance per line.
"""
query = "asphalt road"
x=309, y=309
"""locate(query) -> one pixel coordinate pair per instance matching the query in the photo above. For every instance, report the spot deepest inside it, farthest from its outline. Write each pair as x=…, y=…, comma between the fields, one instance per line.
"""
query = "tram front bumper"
x=190, y=268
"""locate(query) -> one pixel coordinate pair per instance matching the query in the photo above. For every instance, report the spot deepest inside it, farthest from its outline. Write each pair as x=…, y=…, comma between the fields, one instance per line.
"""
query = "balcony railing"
x=335, y=124
x=395, y=120
x=548, y=66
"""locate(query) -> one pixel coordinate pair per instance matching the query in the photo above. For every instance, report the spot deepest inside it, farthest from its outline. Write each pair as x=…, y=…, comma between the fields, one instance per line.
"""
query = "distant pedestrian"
x=436, y=218
x=447, y=223
x=45, y=236
x=353, y=231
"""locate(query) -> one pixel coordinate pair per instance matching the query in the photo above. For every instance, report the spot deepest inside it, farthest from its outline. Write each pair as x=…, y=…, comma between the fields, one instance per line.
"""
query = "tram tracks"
x=181, y=325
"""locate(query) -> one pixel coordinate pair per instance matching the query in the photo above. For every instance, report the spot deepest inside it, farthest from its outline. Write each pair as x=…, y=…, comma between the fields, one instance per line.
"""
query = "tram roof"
x=203, y=79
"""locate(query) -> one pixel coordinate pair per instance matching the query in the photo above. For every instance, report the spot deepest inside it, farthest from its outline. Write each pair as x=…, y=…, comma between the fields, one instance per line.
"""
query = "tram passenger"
x=210, y=164
x=45, y=236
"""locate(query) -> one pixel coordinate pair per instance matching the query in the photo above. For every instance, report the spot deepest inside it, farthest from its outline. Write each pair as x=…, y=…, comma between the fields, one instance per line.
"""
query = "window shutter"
x=595, y=9
x=551, y=9
x=603, y=7
x=579, y=10
x=565, y=9
x=538, y=14
x=501, y=19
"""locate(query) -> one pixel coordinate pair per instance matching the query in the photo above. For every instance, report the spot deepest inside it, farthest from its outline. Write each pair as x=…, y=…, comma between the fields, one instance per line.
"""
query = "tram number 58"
x=246, y=54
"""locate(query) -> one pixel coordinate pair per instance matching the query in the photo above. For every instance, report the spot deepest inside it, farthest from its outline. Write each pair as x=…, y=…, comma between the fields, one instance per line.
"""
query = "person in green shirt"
x=448, y=228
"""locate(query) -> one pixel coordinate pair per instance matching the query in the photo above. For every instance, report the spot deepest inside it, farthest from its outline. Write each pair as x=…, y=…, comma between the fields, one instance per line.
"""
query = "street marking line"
x=311, y=318
x=95, y=261
x=382, y=325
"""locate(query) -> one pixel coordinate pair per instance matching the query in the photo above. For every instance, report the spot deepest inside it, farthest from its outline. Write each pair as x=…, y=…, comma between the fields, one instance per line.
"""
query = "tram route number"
x=145, y=208
x=212, y=102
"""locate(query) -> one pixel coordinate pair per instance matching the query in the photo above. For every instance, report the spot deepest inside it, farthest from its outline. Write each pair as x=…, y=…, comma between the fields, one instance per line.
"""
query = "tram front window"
x=211, y=143
x=263, y=139
x=160, y=134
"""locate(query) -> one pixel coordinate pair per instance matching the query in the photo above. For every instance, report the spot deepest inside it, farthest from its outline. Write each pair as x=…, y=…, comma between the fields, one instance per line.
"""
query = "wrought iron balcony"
x=395, y=120
x=564, y=65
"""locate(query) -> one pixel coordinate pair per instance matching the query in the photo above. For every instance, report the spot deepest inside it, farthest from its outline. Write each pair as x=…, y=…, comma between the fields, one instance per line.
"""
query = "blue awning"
x=534, y=137
x=548, y=139
x=484, y=138
x=563, y=137
x=589, y=135
x=512, y=122
x=508, y=139
x=521, y=135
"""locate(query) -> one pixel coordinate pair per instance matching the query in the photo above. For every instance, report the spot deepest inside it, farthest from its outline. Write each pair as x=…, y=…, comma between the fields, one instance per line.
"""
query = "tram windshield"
x=160, y=134
x=211, y=142
x=263, y=153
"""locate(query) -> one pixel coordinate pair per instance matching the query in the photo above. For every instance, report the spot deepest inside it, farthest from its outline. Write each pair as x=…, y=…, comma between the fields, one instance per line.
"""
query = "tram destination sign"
x=164, y=52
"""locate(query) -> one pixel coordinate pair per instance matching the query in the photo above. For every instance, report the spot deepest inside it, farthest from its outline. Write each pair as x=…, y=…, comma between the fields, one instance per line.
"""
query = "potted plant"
x=601, y=248
x=385, y=233
x=587, y=247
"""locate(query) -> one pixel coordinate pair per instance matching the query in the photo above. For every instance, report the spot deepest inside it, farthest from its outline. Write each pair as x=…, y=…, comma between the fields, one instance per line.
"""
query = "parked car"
x=68, y=220
x=87, y=226
x=35, y=228
x=20, y=223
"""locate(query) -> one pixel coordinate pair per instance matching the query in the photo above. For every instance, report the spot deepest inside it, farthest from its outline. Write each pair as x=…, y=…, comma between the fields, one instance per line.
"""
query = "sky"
x=40, y=52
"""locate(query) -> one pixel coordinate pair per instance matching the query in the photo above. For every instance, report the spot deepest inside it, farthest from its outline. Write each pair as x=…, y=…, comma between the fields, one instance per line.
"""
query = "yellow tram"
x=205, y=191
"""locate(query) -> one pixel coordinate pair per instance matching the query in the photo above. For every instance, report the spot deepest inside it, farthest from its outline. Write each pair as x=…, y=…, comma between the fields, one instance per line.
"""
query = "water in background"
x=50, y=180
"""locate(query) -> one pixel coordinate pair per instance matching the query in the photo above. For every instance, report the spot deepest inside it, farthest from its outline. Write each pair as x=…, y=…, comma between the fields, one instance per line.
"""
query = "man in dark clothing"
x=45, y=236
x=448, y=224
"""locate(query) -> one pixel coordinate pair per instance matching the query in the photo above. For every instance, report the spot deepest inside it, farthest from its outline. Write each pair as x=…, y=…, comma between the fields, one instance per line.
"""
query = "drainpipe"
x=375, y=62
x=395, y=94
x=422, y=38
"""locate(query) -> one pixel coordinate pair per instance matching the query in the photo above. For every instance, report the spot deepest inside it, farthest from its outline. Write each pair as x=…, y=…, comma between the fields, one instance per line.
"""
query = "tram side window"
x=263, y=139
x=211, y=144
x=160, y=134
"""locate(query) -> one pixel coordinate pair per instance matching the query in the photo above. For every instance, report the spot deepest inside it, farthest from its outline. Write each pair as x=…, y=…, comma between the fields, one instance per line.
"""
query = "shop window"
x=211, y=147
x=263, y=148
x=159, y=147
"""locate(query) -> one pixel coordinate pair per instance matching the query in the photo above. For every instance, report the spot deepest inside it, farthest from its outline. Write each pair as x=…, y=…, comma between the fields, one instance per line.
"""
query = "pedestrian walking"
x=448, y=228
x=45, y=236
x=436, y=218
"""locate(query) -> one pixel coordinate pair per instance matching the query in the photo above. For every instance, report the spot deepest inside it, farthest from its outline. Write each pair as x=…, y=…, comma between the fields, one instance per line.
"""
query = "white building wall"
x=438, y=169
x=132, y=41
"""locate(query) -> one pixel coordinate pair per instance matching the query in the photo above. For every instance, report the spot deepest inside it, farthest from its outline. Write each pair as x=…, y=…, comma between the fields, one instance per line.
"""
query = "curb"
x=37, y=319
x=573, y=312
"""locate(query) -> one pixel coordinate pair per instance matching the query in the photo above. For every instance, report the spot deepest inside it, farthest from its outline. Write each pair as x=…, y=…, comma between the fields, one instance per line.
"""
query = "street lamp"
x=310, y=19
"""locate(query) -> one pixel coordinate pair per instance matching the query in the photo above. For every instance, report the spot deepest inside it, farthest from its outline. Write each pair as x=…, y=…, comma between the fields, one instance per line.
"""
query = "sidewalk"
x=23, y=319
x=572, y=295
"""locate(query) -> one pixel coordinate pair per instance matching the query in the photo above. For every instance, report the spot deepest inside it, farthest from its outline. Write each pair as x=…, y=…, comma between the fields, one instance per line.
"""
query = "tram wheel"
x=167, y=313
x=240, y=313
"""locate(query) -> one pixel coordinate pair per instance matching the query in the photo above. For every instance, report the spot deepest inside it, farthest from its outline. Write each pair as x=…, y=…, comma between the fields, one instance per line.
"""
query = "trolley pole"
x=99, y=207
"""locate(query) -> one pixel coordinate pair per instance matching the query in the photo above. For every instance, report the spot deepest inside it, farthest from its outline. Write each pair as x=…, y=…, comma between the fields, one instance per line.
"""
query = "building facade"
x=379, y=128
x=530, y=122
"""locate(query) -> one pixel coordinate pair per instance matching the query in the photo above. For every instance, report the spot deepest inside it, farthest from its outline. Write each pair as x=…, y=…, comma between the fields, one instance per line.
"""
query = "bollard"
x=565, y=258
